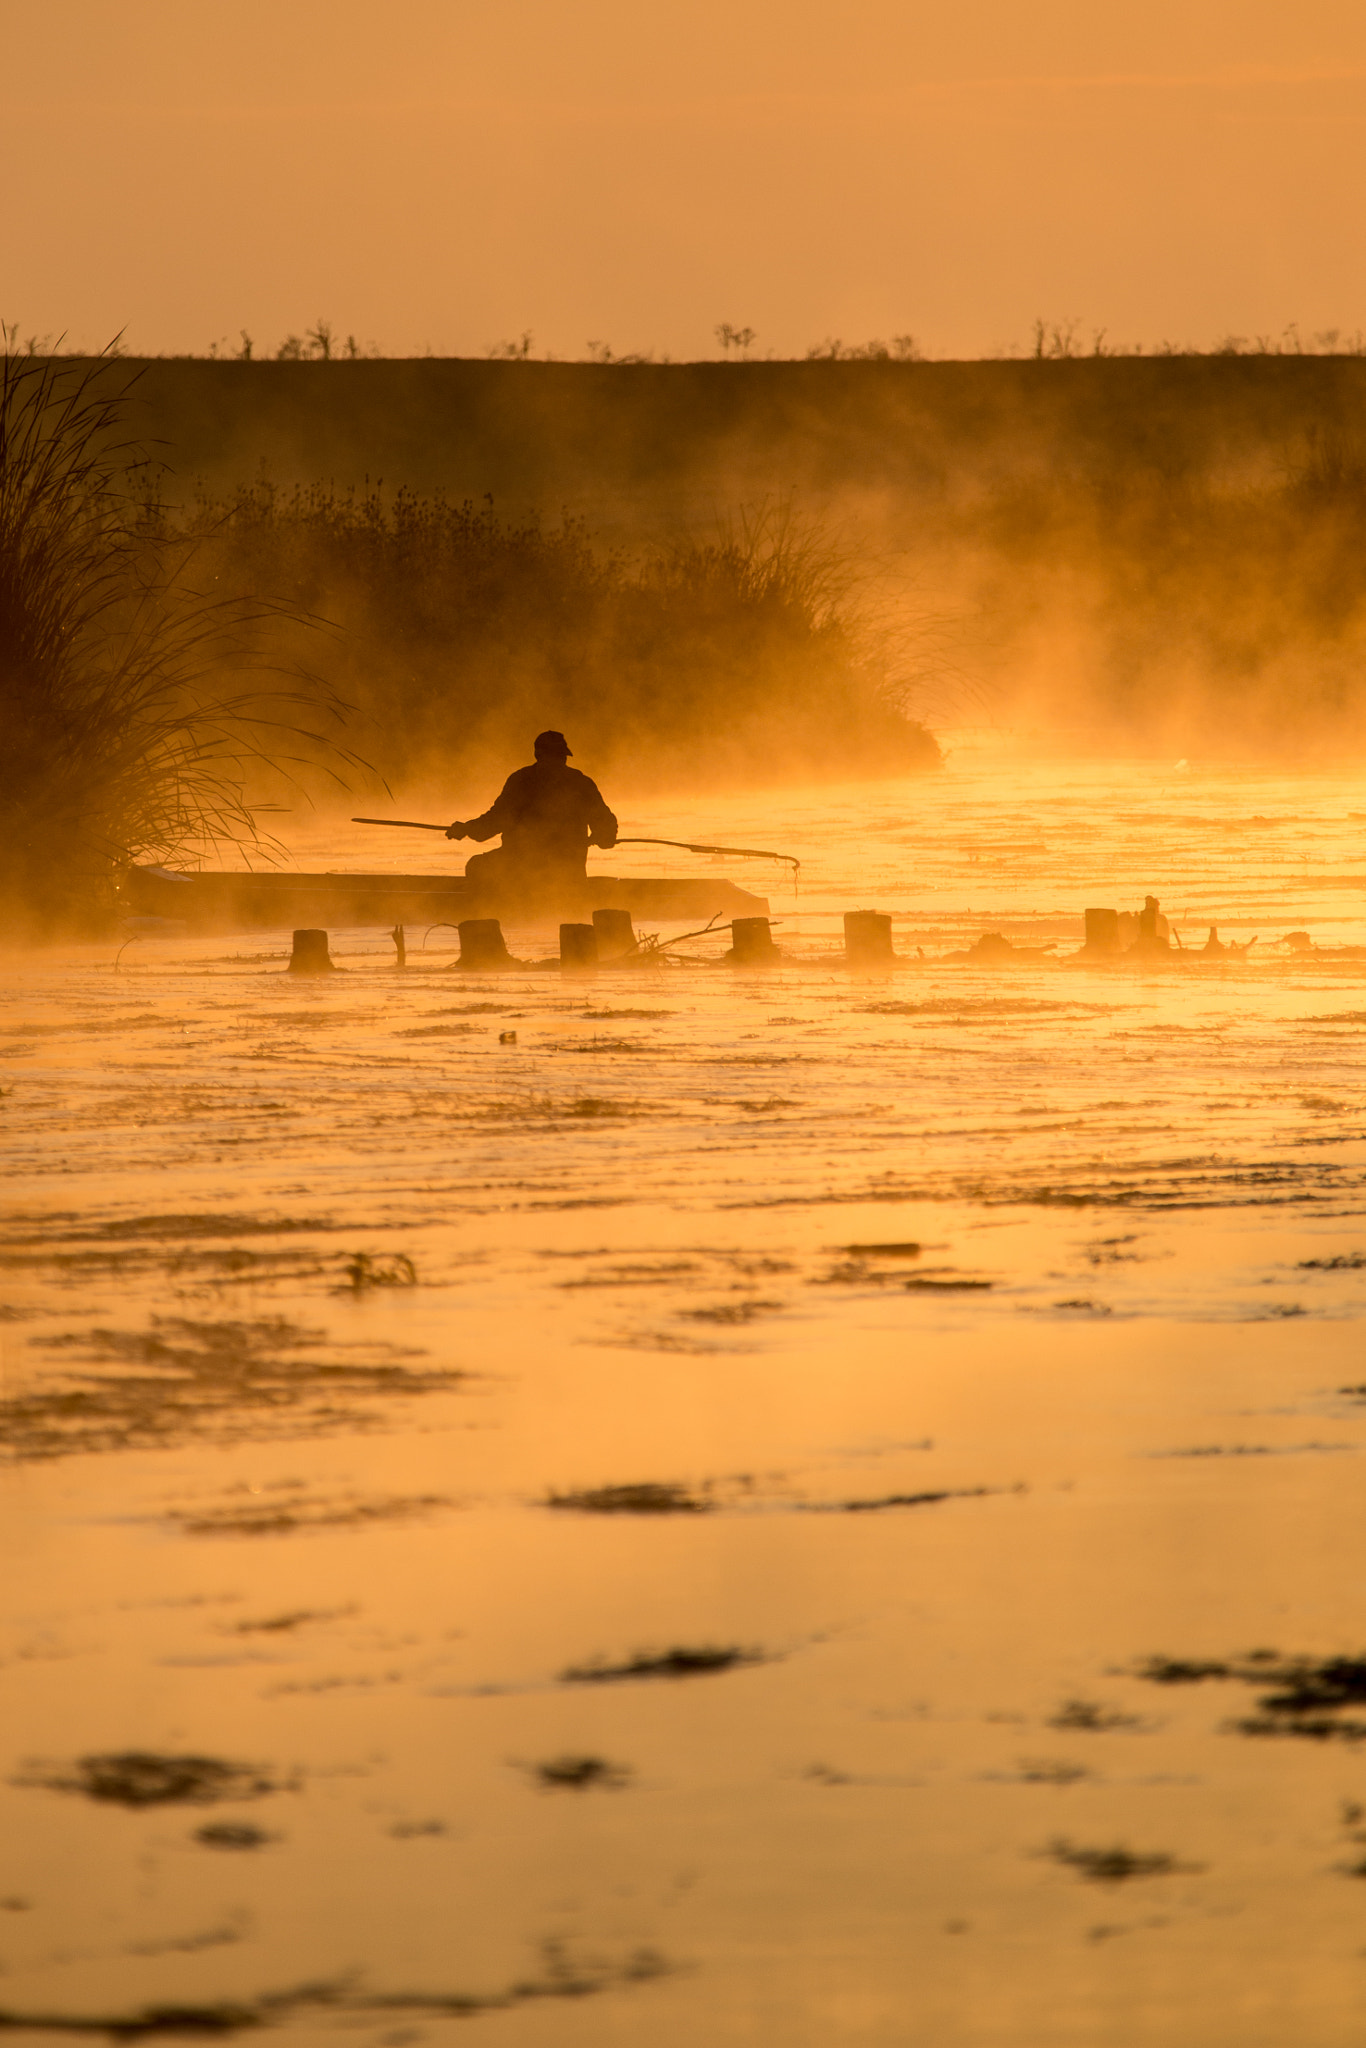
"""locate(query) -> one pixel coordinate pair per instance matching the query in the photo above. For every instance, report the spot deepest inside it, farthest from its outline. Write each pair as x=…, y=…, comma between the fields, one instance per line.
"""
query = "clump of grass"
x=465, y=630
x=1306, y=1698
x=180, y=1378
x=1092, y=1717
x=877, y=1503
x=681, y=1662
x=139, y=1778
x=646, y=1497
x=390, y=1269
x=573, y=1773
x=130, y=725
x=232, y=1834
x=1115, y=1865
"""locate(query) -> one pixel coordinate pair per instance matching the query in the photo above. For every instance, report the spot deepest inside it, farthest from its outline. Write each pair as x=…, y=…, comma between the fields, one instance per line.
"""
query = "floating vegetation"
x=184, y=2022
x=571, y=1773
x=1115, y=1865
x=559, y=1975
x=648, y=1497
x=226, y=1380
x=1306, y=1695
x=1092, y=1717
x=1341, y=1262
x=157, y=1227
x=896, y=1500
x=732, y=1312
x=903, y=1249
x=681, y=1662
x=388, y=1269
x=283, y=1515
x=232, y=1834
x=657, y=1274
x=1047, y=1770
x=282, y=1624
x=926, y=1283
x=140, y=1777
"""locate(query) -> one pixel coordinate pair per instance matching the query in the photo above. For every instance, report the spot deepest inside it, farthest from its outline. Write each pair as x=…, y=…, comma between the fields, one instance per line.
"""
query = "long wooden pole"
x=683, y=845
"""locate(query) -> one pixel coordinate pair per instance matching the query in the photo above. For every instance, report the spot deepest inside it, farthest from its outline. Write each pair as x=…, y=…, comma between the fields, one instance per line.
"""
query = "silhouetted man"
x=549, y=816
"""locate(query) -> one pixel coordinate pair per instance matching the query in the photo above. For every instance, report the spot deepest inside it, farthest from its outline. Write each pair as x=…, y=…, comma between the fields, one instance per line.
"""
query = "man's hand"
x=456, y=831
x=603, y=839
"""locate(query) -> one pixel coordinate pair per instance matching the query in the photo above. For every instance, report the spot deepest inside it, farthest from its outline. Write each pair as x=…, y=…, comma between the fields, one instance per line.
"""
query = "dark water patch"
x=226, y=1380
x=290, y=1514
x=417, y=1830
x=575, y=1773
x=647, y=1497
x=603, y=1016
x=683, y=1661
x=233, y=1834
x=1341, y=1262
x=1115, y=1865
x=140, y=1778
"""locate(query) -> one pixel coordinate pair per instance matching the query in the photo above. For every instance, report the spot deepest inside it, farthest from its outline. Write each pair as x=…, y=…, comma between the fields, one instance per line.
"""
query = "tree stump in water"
x=578, y=948
x=616, y=934
x=751, y=943
x=310, y=955
x=868, y=939
x=1102, y=931
x=482, y=945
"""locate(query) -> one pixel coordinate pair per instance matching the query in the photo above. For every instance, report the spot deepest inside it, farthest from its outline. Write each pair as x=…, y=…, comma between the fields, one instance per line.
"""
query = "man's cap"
x=552, y=743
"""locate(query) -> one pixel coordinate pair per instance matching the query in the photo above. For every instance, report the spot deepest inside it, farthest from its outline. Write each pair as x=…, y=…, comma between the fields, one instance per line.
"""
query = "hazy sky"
x=431, y=173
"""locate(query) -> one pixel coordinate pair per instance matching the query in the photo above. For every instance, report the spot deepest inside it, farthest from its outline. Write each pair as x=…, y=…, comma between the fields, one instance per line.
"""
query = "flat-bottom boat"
x=277, y=900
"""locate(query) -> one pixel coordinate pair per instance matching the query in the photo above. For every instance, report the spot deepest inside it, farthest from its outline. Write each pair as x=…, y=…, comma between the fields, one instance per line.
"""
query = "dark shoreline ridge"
x=692, y=437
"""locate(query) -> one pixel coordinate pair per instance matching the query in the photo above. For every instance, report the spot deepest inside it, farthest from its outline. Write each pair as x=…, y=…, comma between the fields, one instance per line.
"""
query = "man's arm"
x=602, y=823
x=494, y=820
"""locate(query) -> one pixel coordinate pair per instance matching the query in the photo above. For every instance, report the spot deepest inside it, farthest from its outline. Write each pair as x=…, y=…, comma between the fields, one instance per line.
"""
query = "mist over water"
x=982, y=1331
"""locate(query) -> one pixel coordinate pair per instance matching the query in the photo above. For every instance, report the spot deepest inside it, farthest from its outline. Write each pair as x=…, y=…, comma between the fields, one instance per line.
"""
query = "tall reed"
x=135, y=707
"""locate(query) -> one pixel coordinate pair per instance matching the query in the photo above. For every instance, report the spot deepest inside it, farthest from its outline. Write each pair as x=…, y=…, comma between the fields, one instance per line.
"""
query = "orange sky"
x=430, y=173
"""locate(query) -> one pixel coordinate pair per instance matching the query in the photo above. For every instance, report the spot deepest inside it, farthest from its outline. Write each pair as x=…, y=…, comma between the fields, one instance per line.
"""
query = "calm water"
x=998, y=1329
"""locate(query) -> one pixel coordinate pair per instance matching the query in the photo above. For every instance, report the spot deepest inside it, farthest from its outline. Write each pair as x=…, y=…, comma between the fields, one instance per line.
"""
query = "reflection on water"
x=666, y=1522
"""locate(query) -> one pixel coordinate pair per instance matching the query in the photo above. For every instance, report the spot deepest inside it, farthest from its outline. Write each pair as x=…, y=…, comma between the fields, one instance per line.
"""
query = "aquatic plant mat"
x=778, y=1507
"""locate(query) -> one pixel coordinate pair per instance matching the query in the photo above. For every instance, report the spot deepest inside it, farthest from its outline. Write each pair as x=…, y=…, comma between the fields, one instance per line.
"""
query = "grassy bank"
x=1171, y=549
x=743, y=657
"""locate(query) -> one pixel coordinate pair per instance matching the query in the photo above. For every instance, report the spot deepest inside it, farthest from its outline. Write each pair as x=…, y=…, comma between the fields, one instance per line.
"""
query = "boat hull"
x=282, y=901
